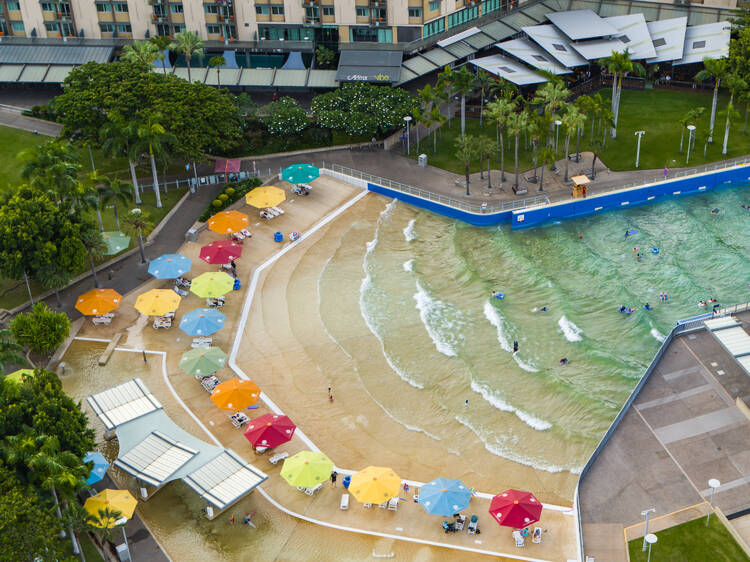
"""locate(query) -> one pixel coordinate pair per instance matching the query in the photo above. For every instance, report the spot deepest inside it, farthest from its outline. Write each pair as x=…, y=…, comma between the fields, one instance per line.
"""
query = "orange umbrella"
x=226, y=222
x=98, y=301
x=235, y=394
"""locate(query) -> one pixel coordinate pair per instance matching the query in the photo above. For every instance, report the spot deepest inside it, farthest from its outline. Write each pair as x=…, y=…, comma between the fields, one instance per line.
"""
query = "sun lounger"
x=311, y=491
x=344, y=504
x=168, y=315
x=162, y=323
x=473, y=525
x=278, y=457
x=460, y=522
x=277, y=211
x=239, y=419
x=246, y=233
x=383, y=505
x=106, y=320
x=536, y=536
x=393, y=504
x=209, y=383
x=416, y=495
x=201, y=342
x=266, y=214
x=518, y=538
x=182, y=282
x=215, y=302
x=367, y=505
x=181, y=292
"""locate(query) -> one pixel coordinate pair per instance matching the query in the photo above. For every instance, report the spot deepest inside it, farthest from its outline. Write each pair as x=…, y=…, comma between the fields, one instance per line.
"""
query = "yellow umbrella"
x=98, y=301
x=375, y=484
x=157, y=302
x=212, y=284
x=120, y=501
x=235, y=394
x=265, y=196
x=18, y=375
x=226, y=222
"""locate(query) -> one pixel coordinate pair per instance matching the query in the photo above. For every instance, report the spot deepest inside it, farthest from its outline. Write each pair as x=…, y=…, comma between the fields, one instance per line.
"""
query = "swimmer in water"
x=746, y=207
x=623, y=308
x=647, y=306
x=564, y=361
x=515, y=346
x=543, y=309
x=715, y=211
x=627, y=233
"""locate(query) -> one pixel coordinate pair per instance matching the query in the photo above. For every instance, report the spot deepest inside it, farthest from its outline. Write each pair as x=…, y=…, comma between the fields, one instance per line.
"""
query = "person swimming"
x=515, y=346
x=702, y=303
x=746, y=207
x=715, y=211
x=564, y=361
x=647, y=306
x=543, y=309
x=627, y=233
x=622, y=308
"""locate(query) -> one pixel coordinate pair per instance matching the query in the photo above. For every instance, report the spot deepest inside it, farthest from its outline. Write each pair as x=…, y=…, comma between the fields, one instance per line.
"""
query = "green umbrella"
x=203, y=361
x=116, y=242
x=306, y=469
x=18, y=375
x=212, y=284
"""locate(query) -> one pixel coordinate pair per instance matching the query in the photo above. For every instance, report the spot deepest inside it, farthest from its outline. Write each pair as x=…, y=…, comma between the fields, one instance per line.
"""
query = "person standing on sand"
x=334, y=475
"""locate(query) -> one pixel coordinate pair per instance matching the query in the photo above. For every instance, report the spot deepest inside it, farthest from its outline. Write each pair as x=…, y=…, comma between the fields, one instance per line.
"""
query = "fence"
x=204, y=180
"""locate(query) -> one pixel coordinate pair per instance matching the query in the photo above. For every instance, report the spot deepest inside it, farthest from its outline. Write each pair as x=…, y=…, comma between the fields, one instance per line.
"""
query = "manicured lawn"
x=655, y=111
x=691, y=542
x=13, y=141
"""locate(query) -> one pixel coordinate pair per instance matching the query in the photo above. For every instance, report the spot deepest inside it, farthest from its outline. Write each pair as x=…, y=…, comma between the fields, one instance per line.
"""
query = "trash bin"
x=123, y=553
x=278, y=237
x=192, y=235
x=346, y=481
x=237, y=285
x=422, y=160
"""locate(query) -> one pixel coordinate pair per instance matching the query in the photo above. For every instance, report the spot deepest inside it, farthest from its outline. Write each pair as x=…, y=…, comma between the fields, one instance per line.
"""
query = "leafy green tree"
x=245, y=105
x=95, y=248
x=188, y=44
x=285, y=117
x=162, y=44
x=518, y=123
x=572, y=122
x=115, y=191
x=462, y=82
x=466, y=151
x=154, y=140
x=118, y=138
x=144, y=52
x=53, y=167
x=42, y=330
x=138, y=223
x=716, y=70
x=217, y=62
x=619, y=65
x=51, y=276
x=10, y=351
x=325, y=58
x=502, y=89
x=552, y=96
x=500, y=111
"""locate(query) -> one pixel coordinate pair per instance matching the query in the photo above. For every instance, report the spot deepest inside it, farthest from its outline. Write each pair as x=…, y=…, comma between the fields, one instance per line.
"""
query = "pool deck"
x=683, y=429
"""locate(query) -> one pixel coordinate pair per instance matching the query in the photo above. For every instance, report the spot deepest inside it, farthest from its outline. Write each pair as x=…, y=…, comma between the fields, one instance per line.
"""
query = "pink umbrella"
x=220, y=251
x=269, y=430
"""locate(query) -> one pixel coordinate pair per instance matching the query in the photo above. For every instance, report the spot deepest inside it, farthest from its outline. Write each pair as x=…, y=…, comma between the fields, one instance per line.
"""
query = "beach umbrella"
x=18, y=375
x=220, y=251
x=98, y=301
x=235, y=394
x=226, y=222
x=265, y=196
x=212, y=284
x=270, y=430
x=444, y=496
x=203, y=360
x=300, y=173
x=114, y=500
x=515, y=508
x=375, y=484
x=202, y=322
x=157, y=302
x=170, y=266
x=306, y=469
x=100, y=467
x=115, y=242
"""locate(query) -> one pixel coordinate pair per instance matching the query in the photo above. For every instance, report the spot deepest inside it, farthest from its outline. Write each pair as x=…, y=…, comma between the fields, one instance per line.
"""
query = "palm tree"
x=735, y=84
x=143, y=52
x=217, y=62
x=689, y=117
x=572, y=121
x=483, y=81
x=500, y=111
x=95, y=201
x=10, y=351
x=52, y=167
x=484, y=147
x=538, y=124
x=517, y=123
x=95, y=247
x=78, y=520
x=465, y=153
x=114, y=190
x=154, y=139
x=138, y=222
x=53, y=277
x=118, y=139
x=547, y=157
x=436, y=118
x=597, y=146
x=443, y=89
x=463, y=82
x=189, y=44
x=427, y=97
x=552, y=96
x=716, y=70
x=162, y=44
x=619, y=64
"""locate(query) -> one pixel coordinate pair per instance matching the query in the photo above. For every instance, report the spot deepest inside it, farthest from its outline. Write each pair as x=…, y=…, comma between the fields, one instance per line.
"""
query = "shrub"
x=42, y=329
x=223, y=198
x=217, y=203
x=229, y=191
x=239, y=189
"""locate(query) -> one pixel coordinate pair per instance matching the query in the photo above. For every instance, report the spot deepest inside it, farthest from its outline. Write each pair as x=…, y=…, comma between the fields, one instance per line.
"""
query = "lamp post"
x=638, y=134
x=713, y=484
x=650, y=539
x=691, y=131
x=407, y=119
x=557, y=126
x=647, y=513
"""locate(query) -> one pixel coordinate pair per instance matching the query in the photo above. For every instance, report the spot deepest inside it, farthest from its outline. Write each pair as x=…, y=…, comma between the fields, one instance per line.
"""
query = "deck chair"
x=278, y=457
x=518, y=537
x=344, y=504
x=473, y=525
x=246, y=233
x=393, y=504
x=277, y=211
x=367, y=505
x=536, y=536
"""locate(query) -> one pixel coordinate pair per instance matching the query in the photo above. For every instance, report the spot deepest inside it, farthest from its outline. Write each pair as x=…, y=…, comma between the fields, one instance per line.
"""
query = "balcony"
x=310, y=3
x=311, y=22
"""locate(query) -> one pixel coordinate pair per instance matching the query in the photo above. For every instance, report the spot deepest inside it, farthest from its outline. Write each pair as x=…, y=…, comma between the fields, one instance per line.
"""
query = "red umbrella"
x=220, y=251
x=269, y=430
x=514, y=508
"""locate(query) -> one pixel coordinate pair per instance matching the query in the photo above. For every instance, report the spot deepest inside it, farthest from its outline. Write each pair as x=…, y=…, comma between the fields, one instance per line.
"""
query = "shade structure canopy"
x=375, y=484
x=115, y=242
x=306, y=469
x=212, y=284
x=444, y=496
x=98, y=301
x=18, y=375
x=226, y=222
x=265, y=196
x=220, y=251
x=120, y=502
x=300, y=173
x=99, y=469
x=170, y=266
x=235, y=394
x=270, y=430
x=203, y=360
x=515, y=508
x=157, y=302
x=202, y=322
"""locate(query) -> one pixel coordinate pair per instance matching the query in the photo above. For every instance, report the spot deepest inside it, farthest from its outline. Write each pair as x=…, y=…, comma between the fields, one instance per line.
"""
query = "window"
x=124, y=28
x=17, y=26
x=178, y=27
x=363, y=11
x=51, y=26
x=434, y=5
x=560, y=47
x=624, y=38
x=660, y=42
x=106, y=27
x=434, y=27
x=539, y=58
x=48, y=7
x=276, y=32
x=177, y=8
x=15, y=7
x=462, y=16
x=507, y=69
x=121, y=7
x=103, y=7
x=213, y=29
x=277, y=10
x=329, y=11
x=211, y=8
x=415, y=12
x=262, y=10
x=489, y=6
x=699, y=44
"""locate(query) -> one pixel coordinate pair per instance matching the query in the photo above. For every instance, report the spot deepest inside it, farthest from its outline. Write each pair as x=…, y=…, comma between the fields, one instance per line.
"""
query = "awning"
x=294, y=61
x=227, y=165
x=370, y=66
x=53, y=54
x=123, y=403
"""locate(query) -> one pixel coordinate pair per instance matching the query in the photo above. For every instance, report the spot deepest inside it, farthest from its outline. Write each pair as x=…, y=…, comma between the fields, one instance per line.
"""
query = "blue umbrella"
x=202, y=322
x=300, y=173
x=169, y=266
x=444, y=496
x=100, y=467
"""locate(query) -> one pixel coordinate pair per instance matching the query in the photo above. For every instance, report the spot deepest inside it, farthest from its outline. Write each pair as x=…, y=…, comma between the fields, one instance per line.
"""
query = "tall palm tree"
x=114, y=190
x=144, y=52
x=138, y=222
x=619, y=64
x=53, y=277
x=94, y=202
x=154, y=140
x=547, y=157
x=539, y=123
x=52, y=167
x=465, y=153
x=436, y=118
x=118, y=139
x=189, y=44
x=716, y=70
x=78, y=520
x=444, y=89
x=552, y=96
x=517, y=123
x=735, y=84
x=482, y=81
x=217, y=62
x=427, y=97
x=10, y=351
x=572, y=122
x=500, y=111
x=500, y=88
x=463, y=82
x=95, y=248
x=484, y=147
x=162, y=44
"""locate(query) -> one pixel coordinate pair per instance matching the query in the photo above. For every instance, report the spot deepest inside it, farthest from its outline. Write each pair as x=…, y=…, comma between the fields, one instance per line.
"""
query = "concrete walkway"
x=11, y=117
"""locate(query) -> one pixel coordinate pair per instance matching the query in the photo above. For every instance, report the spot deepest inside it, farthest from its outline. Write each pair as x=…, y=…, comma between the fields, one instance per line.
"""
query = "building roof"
x=581, y=24
x=370, y=66
x=533, y=55
x=549, y=38
x=599, y=48
x=123, y=403
x=509, y=69
x=633, y=32
x=54, y=54
x=322, y=79
x=290, y=78
x=155, y=458
x=458, y=37
x=707, y=40
x=668, y=38
x=224, y=480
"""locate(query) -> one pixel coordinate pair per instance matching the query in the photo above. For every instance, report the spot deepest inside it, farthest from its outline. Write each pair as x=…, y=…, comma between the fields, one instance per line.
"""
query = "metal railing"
x=210, y=179
x=482, y=209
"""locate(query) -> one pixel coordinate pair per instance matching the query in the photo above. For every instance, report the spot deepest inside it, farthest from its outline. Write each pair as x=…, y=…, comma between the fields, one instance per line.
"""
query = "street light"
x=691, y=130
x=557, y=125
x=638, y=134
x=650, y=539
x=407, y=119
x=647, y=513
x=713, y=484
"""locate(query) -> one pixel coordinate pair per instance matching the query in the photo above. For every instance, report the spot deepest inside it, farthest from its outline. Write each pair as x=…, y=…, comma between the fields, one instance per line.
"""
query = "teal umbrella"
x=115, y=242
x=203, y=361
x=300, y=173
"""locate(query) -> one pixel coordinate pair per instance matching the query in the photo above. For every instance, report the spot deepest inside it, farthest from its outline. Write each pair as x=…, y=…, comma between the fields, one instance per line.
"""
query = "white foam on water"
x=436, y=318
x=409, y=232
x=657, y=335
x=496, y=401
x=525, y=366
x=570, y=331
x=494, y=318
x=409, y=265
